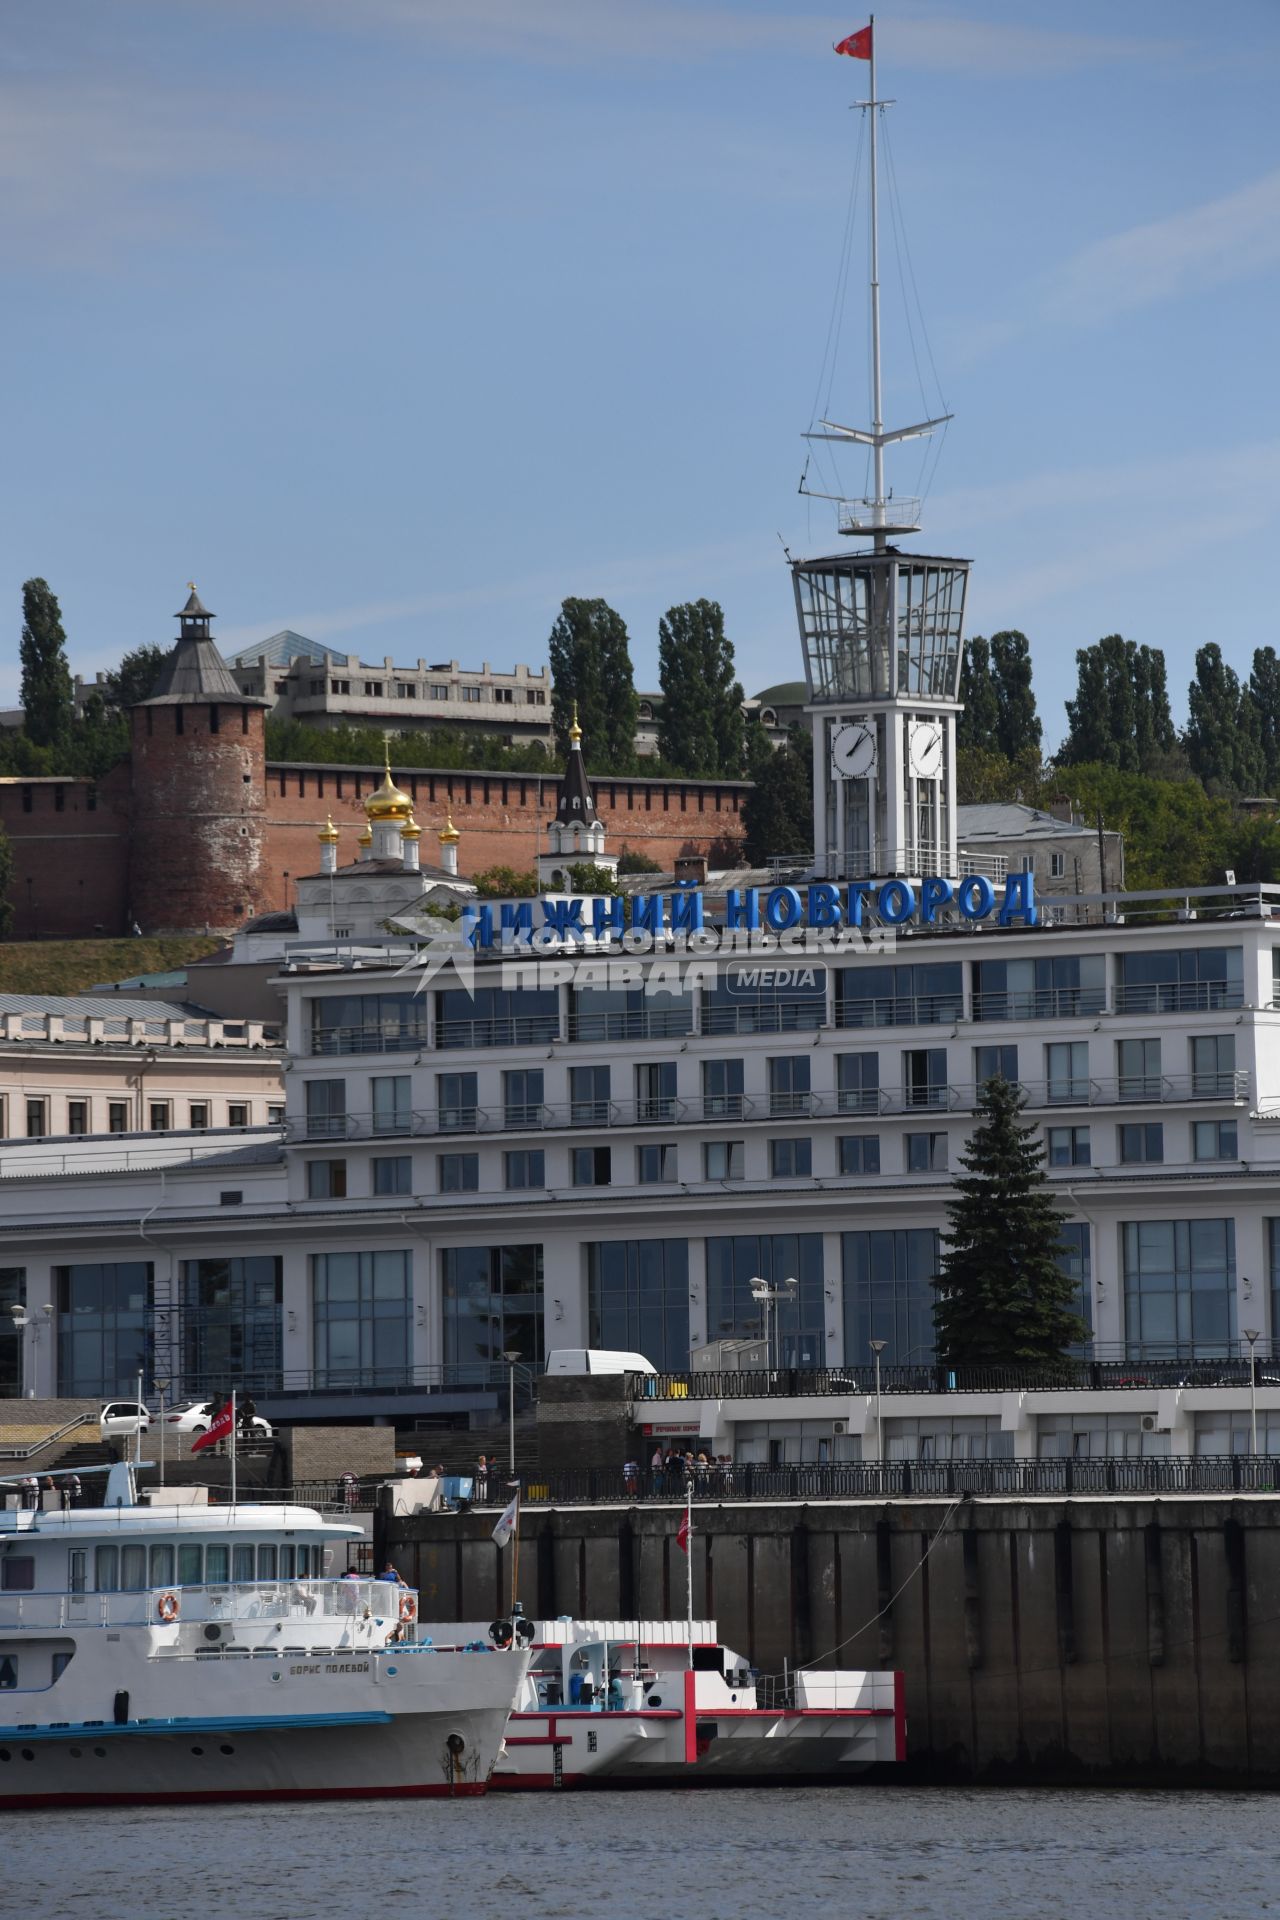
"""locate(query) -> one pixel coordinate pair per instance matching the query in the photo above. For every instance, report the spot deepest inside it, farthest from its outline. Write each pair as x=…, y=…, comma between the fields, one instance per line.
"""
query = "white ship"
x=188, y=1652
x=663, y=1701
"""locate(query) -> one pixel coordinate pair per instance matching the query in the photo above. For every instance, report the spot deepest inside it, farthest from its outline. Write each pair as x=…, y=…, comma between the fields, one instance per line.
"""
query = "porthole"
x=197, y=1749
x=99, y=1753
x=226, y=1749
x=27, y=1754
x=76, y=1753
x=5, y=1754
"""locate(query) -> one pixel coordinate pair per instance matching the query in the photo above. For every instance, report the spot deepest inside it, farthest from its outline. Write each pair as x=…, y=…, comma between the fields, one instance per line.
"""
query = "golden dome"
x=411, y=831
x=575, y=731
x=388, y=802
x=328, y=833
x=366, y=838
x=449, y=835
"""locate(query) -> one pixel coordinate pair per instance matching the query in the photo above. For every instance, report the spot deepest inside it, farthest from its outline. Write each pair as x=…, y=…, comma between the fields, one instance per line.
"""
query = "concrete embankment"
x=1095, y=1640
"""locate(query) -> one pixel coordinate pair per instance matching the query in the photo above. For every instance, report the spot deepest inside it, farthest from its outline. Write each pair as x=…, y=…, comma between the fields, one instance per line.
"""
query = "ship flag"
x=856, y=45
x=507, y=1522
x=221, y=1429
x=684, y=1530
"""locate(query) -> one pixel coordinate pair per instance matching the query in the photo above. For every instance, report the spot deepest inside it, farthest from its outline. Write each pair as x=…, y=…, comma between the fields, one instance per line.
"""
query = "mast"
x=877, y=409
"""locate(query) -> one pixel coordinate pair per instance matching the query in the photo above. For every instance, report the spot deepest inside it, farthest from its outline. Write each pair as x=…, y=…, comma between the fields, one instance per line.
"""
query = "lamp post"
x=769, y=1297
x=877, y=1347
x=510, y=1355
x=24, y=1319
x=1252, y=1334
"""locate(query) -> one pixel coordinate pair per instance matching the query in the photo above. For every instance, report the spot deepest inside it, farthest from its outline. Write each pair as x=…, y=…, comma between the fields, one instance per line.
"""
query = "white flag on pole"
x=507, y=1523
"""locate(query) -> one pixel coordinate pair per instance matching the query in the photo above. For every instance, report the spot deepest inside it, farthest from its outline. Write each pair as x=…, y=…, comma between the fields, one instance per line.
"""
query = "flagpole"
x=515, y=1566
x=233, y=1446
x=688, y=1560
x=877, y=424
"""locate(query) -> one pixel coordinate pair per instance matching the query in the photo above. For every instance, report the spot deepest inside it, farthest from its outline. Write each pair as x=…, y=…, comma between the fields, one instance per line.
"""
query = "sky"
x=398, y=321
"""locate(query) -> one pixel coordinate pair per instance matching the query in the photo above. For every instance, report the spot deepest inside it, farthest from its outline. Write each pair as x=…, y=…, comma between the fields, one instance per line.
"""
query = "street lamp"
x=769, y=1297
x=23, y=1319
x=877, y=1347
x=510, y=1355
x=1253, y=1334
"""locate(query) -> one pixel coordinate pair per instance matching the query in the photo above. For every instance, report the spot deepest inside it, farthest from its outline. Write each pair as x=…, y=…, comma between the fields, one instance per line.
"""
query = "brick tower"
x=199, y=792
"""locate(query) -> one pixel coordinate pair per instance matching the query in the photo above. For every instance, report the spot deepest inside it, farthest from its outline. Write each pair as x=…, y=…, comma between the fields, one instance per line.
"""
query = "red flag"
x=856, y=45
x=682, y=1536
x=220, y=1430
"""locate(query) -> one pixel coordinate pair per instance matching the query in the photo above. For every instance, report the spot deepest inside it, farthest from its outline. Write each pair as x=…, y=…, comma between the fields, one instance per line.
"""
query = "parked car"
x=122, y=1419
x=196, y=1416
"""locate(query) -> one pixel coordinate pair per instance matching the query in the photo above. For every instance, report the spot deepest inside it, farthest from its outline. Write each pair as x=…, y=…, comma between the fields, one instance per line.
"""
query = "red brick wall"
x=498, y=816
x=70, y=841
x=197, y=859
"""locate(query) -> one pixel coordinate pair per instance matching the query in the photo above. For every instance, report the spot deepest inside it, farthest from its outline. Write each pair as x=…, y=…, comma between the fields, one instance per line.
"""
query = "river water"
x=876, y=1853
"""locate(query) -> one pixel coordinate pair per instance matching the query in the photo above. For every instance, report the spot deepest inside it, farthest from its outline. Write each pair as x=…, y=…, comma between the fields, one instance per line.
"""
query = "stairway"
x=456, y=1451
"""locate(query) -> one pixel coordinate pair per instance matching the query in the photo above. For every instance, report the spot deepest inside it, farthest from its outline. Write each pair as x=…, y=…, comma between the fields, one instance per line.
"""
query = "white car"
x=122, y=1419
x=197, y=1416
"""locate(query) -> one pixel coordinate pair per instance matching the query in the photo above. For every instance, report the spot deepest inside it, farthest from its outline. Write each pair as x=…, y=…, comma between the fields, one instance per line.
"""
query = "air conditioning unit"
x=839, y=1426
x=1151, y=1424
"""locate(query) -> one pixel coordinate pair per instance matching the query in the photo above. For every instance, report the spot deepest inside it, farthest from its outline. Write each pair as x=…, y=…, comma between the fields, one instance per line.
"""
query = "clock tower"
x=881, y=631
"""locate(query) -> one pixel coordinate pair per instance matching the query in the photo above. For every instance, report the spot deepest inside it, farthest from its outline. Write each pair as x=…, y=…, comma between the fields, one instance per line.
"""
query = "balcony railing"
x=763, y=1016
x=514, y=1030
x=347, y=1040
x=1179, y=996
x=900, y=1010
x=1042, y=1003
x=638, y=1023
x=1141, y=1369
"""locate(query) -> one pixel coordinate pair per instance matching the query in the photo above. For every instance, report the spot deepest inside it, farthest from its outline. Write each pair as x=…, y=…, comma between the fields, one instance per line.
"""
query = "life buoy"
x=408, y=1607
x=168, y=1607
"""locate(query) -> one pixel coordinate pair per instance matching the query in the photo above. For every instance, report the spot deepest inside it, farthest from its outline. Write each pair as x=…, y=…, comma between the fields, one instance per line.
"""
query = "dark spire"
x=577, y=806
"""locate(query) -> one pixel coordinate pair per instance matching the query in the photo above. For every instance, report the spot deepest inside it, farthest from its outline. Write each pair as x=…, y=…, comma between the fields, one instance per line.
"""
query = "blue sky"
x=396, y=321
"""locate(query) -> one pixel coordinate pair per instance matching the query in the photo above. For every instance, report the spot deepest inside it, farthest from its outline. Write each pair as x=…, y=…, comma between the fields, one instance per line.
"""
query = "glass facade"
x=751, y=1000
x=873, y=626
x=888, y=1294
x=799, y=1329
x=105, y=1335
x=1179, y=1288
x=922, y=995
x=1055, y=987
x=368, y=1023
x=361, y=1316
x=496, y=1016
x=1075, y=1258
x=231, y=1318
x=13, y=1282
x=629, y=1013
x=638, y=1299
x=1187, y=982
x=492, y=1299
x=1096, y=1436
x=942, y=1437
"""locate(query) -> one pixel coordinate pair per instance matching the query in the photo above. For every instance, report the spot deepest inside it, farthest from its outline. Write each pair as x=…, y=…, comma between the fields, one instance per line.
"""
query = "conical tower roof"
x=577, y=803
x=195, y=671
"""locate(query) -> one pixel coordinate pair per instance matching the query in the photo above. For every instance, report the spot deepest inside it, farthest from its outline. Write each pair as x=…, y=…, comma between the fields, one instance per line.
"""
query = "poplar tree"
x=1017, y=722
x=1263, y=696
x=978, y=727
x=46, y=678
x=777, y=814
x=1002, y=1298
x=1120, y=716
x=701, y=730
x=591, y=663
x=1223, y=731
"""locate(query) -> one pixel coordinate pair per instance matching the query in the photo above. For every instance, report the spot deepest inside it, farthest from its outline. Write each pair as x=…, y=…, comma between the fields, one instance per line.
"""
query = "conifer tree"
x=1002, y=1299
x=46, y=678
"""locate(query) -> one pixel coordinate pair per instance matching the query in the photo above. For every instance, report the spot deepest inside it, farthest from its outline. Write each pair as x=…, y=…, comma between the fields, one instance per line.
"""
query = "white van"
x=597, y=1360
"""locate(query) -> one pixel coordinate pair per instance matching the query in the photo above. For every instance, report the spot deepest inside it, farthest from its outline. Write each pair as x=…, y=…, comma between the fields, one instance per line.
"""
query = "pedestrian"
x=631, y=1476
x=482, y=1478
x=350, y=1488
x=391, y=1574
x=30, y=1491
x=71, y=1491
x=655, y=1465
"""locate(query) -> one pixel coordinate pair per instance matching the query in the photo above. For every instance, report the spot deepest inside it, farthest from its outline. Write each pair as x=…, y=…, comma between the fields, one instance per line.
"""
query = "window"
x=791, y=1159
x=392, y=1173
x=1213, y=1066
x=1057, y=866
x=275, y=1116
x=237, y=1115
x=588, y=1096
x=327, y=1180
x=199, y=1115
x=638, y=1299
x=4, y=1116
x=1180, y=1288
x=789, y=1084
x=505, y=696
x=342, y=686
x=655, y=1164
x=1068, y=1146
x=1074, y=1260
x=924, y=1077
x=860, y=1153
x=590, y=1166
x=1141, y=1146
x=1138, y=1068
x=656, y=1091
x=1064, y=986
x=117, y=1116
x=326, y=1109
x=106, y=1569
x=158, y=1116
x=629, y=1013
x=497, y=1016
x=361, y=1304
x=456, y=1102
x=471, y=694
x=723, y=1159
x=17, y=1575
x=943, y=1437
x=104, y=1327
x=37, y=1119
x=458, y=1172
x=13, y=1293
x=1066, y=1069
x=995, y=1063
x=526, y=1167
x=522, y=1097
x=407, y=689
x=756, y=1000
x=373, y=689
x=368, y=1023
x=1187, y=982
x=888, y=1294
x=438, y=690
x=1213, y=1140
x=77, y=1116
x=925, y=995
x=798, y=1322
x=1096, y=1436
x=722, y=1086
x=231, y=1197
x=858, y=1082
x=231, y=1319
x=391, y=1109
x=492, y=1299
x=925, y=1152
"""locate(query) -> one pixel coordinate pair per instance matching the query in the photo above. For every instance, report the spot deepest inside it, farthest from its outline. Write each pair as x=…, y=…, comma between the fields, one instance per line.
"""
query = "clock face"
x=853, y=752
x=926, y=750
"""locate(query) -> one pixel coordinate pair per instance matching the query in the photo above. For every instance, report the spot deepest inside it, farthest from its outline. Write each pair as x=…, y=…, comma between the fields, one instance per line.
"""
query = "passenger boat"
x=154, y=1653
x=661, y=1701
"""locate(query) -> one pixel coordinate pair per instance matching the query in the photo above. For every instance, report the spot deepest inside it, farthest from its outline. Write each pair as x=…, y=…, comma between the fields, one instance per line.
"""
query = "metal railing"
x=763, y=1016
x=250, y=1603
x=1040, y=1003
x=1179, y=996
x=1122, y=1372
x=513, y=1030
x=899, y=1010
x=346, y=1040
x=636, y=1023
x=43, y=1437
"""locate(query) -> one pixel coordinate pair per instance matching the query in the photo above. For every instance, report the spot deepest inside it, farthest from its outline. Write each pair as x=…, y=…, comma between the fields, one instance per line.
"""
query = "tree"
x=632, y=861
x=777, y=814
x=46, y=677
x=1263, y=696
x=1223, y=735
x=591, y=664
x=6, y=885
x=1120, y=716
x=1017, y=722
x=700, y=732
x=506, y=883
x=978, y=728
x=1002, y=1297
x=136, y=675
x=585, y=876
x=757, y=747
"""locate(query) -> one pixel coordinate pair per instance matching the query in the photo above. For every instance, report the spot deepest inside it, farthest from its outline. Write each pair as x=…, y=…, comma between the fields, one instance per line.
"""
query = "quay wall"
x=1125, y=1641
